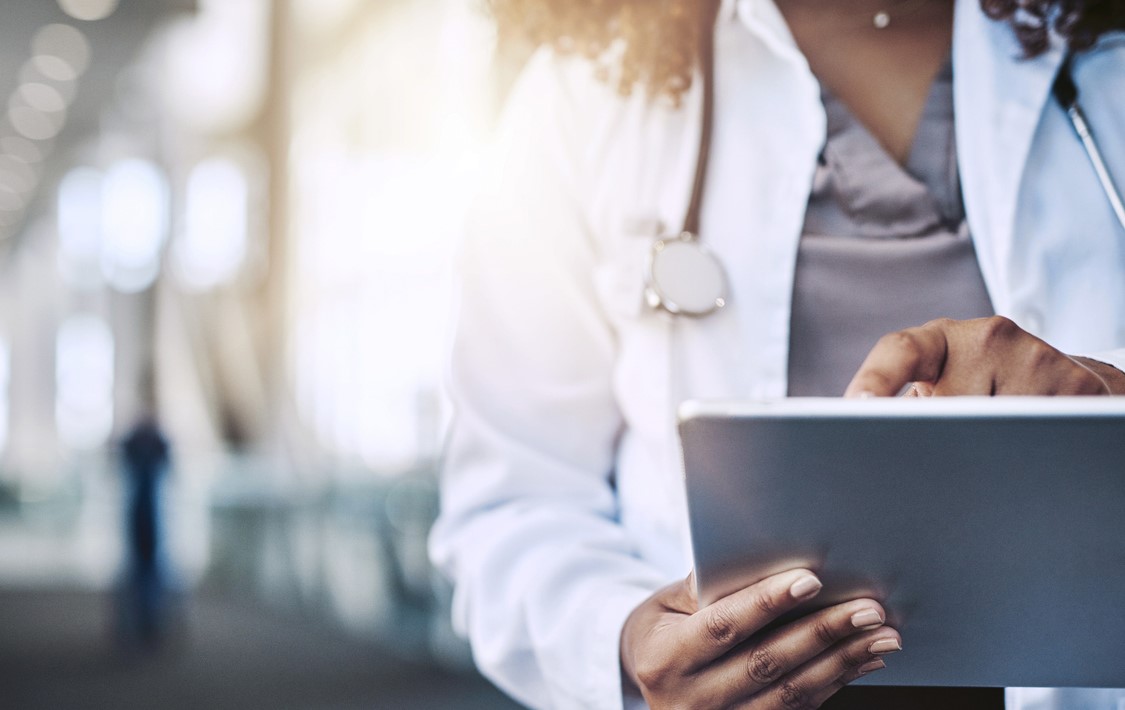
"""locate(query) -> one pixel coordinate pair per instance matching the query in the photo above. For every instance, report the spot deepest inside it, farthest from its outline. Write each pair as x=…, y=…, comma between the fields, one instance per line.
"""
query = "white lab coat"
x=562, y=500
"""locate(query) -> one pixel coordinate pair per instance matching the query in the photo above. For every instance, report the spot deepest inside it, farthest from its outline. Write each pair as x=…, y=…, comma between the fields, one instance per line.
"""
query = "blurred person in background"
x=145, y=604
x=877, y=167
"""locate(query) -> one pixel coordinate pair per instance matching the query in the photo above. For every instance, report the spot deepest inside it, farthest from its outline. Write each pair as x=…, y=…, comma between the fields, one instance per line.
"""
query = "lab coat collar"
x=999, y=98
x=763, y=19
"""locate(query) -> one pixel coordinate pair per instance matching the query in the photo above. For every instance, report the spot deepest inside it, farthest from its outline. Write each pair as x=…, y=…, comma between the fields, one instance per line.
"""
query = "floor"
x=57, y=652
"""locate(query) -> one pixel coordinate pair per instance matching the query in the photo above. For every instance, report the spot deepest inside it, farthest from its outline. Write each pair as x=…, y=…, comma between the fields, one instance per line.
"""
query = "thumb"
x=688, y=597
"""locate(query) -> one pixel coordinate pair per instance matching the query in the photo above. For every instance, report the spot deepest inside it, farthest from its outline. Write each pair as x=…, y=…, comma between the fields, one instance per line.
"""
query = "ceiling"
x=113, y=42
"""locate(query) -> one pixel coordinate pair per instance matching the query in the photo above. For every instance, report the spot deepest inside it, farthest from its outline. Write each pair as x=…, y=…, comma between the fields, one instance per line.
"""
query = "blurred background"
x=226, y=228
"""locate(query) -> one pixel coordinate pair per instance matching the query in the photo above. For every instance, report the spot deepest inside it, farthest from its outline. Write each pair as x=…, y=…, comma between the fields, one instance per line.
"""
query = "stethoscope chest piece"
x=684, y=278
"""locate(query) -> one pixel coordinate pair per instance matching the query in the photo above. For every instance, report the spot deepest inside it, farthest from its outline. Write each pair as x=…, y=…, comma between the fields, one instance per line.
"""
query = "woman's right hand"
x=680, y=656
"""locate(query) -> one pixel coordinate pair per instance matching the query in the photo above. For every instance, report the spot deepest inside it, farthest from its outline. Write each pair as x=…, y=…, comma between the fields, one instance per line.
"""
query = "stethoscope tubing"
x=1065, y=91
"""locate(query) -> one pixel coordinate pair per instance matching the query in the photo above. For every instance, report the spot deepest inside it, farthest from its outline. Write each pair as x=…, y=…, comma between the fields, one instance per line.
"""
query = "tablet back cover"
x=996, y=541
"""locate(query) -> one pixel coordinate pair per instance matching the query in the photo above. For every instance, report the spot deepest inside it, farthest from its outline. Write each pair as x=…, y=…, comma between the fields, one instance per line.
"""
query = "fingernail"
x=805, y=588
x=872, y=666
x=866, y=394
x=885, y=646
x=867, y=619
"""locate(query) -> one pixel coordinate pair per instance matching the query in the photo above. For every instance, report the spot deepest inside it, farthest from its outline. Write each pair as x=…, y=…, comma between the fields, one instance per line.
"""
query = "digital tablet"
x=993, y=530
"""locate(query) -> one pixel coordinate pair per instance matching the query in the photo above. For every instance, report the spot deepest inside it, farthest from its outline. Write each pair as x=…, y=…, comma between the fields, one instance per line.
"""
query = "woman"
x=834, y=203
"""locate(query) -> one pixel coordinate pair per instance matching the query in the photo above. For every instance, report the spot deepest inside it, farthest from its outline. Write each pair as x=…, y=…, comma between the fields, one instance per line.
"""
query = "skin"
x=984, y=356
x=679, y=656
x=882, y=76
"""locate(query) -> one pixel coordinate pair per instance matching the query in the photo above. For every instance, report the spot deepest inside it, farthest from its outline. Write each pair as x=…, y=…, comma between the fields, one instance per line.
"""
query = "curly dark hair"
x=658, y=39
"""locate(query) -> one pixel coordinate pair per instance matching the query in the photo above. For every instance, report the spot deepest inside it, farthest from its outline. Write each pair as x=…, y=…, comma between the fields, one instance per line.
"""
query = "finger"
x=970, y=379
x=1020, y=362
x=813, y=683
x=1038, y=368
x=842, y=682
x=855, y=674
x=755, y=668
x=714, y=630
x=914, y=354
x=680, y=598
x=1016, y=362
x=1111, y=379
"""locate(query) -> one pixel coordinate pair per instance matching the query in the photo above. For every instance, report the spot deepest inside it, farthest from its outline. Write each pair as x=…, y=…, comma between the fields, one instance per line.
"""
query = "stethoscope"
x=684, y=278
x=1066, y=93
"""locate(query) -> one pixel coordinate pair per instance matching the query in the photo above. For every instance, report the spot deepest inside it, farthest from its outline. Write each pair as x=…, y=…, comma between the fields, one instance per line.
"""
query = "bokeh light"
x=65, y=43
x=134, y=221
x=10, y=200
x=212, y=246
x=79, y=215
x=88, y=10
x=49, y=67
x=21, y=149
x=41, y=97
x=16, y=174
x=32, y=123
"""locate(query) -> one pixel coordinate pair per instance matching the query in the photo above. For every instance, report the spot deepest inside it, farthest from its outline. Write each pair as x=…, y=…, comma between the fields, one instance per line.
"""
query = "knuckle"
x=824, y=632
x=721, y=627
x=996, y=327
x=884, y=383
x=1085, y=382
x=768, y=604
x=650, y=672
x=762, y=667
x=793, y=696
x=875, y=380
x=903, y=342
x=1095, y=385
x=1040, y=354
x=852, y=657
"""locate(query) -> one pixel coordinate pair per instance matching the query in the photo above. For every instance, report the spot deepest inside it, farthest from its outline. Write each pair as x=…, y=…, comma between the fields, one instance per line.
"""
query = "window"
x=213, y=243
x=84, y=375
x=79, y=220
x=134, y=224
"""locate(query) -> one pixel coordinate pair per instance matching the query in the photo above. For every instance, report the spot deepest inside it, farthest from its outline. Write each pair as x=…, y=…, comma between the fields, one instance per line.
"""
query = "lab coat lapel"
x=769, y=128
x=998, y=98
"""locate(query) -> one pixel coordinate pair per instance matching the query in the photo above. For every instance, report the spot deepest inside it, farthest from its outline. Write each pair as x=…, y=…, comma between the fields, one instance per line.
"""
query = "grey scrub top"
x=885, y=247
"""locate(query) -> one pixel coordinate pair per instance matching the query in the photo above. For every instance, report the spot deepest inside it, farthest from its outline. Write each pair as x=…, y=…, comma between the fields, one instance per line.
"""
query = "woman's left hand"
x=987, y=356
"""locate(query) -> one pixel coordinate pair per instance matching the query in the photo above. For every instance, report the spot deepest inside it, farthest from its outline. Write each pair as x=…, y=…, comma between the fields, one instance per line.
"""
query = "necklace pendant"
x=881, y=20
